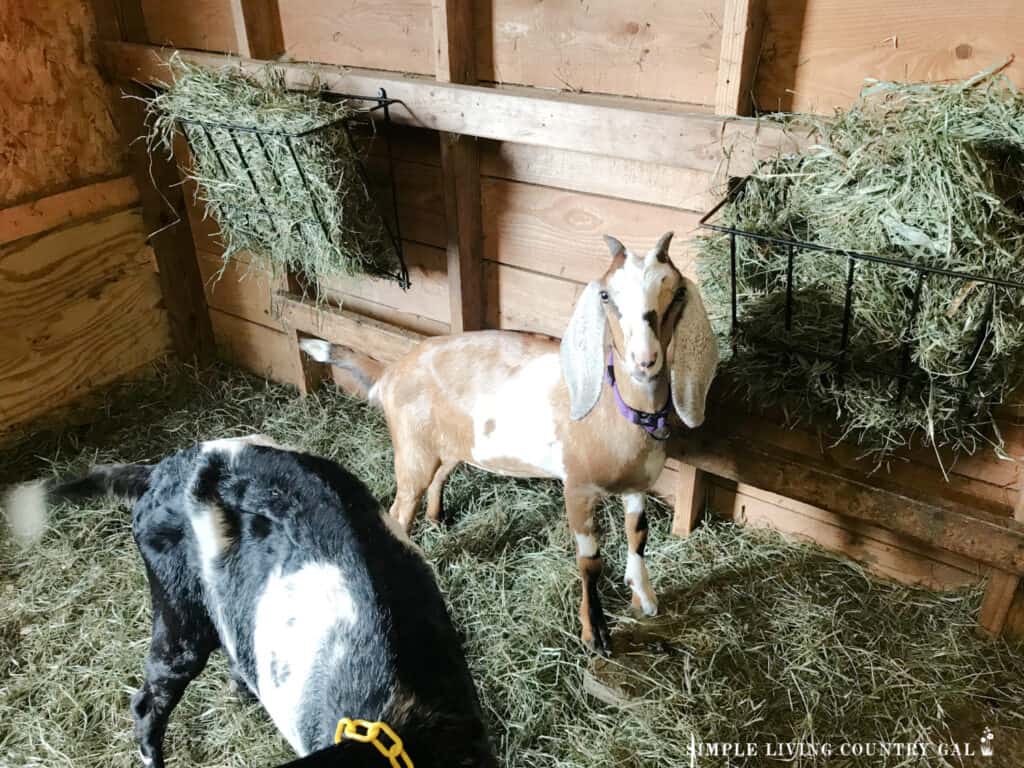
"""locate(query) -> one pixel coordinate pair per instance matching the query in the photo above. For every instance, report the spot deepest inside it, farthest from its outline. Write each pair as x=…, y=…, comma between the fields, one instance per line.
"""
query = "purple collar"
x=655, y=424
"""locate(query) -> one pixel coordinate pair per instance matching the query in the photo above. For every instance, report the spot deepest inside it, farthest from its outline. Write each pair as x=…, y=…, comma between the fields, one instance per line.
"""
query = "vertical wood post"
x=163, y=201
x=742, y=30
x=455, y=62
x=690, y=499
x=257, y=28
x=1002, y=587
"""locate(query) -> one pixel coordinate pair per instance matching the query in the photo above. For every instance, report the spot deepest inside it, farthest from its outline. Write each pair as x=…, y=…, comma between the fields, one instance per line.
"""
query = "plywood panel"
x=257, y=348
x=380, y=34
x=81, y=307
x=660, y=49
x=241, y=289
x=817, y=52
x=47, y=213
x=558, y=232
x=56, y=126
x=527, y=301
x=203, y=24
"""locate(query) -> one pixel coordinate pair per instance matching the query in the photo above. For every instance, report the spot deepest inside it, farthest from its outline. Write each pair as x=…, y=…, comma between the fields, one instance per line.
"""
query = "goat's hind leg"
x=182, y=641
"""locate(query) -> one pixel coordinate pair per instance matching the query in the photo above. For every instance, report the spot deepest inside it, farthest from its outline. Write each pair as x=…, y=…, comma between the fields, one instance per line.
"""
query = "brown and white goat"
x=516, y=404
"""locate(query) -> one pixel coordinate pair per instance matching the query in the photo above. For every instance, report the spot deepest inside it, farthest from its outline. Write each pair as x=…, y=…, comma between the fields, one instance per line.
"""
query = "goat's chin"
x=645, y=378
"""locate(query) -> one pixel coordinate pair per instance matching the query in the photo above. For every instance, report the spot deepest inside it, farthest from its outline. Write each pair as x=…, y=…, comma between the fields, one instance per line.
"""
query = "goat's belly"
x=514, y=427
x=297, y=615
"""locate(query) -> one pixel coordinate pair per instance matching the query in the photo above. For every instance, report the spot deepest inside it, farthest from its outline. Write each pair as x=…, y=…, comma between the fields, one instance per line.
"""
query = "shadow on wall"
x=780, y=55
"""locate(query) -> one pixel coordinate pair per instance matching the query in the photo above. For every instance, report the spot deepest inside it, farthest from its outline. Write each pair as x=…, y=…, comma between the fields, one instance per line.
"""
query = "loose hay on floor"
x=759, y=639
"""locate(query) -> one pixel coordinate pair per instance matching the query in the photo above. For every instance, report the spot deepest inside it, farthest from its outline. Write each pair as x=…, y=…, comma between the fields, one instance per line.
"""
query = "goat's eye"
x=604, y=295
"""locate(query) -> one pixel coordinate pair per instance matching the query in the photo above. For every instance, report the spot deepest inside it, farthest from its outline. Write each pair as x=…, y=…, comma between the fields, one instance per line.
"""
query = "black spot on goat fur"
x=651, y=318
x=394, y=656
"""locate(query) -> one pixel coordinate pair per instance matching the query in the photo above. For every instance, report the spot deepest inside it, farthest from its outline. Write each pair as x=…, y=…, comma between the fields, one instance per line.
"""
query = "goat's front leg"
x=579, y=507
x=636, y=568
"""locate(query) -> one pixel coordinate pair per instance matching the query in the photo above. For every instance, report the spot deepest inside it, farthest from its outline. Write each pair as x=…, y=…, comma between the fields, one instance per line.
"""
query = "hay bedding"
x=759, y=639
x=933, y=175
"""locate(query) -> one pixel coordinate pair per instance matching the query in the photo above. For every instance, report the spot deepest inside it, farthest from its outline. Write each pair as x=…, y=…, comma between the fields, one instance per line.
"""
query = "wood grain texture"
x=56, y=126
x=658, y=49
x=207, y=25
x=879, y=550
x=742, y=30
x=257, y=348
x=460, y=169
x=999, y=596
x=559, y=232
x=637, y=129
x=64, y=208
x=257, y=25
x=689, y=500
x=818, y=52
x=519, y=300
x=384, y=34
x=607, y=176
x=80, y=307
x=240, y=289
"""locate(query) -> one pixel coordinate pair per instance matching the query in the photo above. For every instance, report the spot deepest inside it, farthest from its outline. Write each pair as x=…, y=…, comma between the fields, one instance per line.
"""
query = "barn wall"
x=80, y=303
x=543, y=210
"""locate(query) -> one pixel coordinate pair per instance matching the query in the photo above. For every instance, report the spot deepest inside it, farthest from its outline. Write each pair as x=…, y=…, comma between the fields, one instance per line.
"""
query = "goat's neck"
x=649, y=397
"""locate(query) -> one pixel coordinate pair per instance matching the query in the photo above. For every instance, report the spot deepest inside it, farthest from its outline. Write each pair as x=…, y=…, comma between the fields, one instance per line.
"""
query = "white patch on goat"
x=639, y=581
x=633, y=503
x=318, y=349
x=232, y=446
x=516, y=420
x=586, y=545
x=211, y=541
x=27, y=511
x=294, y=618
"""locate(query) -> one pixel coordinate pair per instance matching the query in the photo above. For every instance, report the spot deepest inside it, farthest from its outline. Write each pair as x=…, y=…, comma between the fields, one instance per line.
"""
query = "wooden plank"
x=384, y=34
x=1001, y=591
x=690, y=499
x=410, y=321
x=257, y=25
x=244, y=290
x=455, y=62
x=880, y=551
x=637, y=129
x=55, y=125
x=382, y=341
x=207, y=25
x=822, y=51
x=559, y=232
x=968, y=532
x=257, y=348
x=527, y=301
x=644, y=48
x=66, y=207
x=608, y=176
x=742, y=29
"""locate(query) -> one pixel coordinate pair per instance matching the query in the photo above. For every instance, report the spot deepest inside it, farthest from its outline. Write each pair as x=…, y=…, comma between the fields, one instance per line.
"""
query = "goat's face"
x=654, y=320
x=642, y=295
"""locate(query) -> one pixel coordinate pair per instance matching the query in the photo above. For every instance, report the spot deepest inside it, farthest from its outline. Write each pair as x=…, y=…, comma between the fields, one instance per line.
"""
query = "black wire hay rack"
x=838, y=360
x=225, y=140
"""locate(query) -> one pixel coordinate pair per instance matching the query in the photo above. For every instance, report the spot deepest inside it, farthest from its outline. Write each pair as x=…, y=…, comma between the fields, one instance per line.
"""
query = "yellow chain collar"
x=369, y=733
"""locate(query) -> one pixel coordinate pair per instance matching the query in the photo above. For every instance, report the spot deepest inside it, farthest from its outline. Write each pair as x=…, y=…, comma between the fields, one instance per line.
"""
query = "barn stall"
x=516, y=135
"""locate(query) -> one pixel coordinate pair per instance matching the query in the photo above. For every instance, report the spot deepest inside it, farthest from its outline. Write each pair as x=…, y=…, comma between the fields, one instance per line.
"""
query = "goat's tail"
x=365, y=370
x=26, y=507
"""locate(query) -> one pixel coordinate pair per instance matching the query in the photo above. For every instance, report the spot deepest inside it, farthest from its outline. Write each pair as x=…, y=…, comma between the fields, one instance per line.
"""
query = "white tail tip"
x=26, y=511
x=318, y=349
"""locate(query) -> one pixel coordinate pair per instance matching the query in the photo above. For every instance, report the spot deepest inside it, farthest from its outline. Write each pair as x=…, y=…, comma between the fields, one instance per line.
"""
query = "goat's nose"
x=646, y=365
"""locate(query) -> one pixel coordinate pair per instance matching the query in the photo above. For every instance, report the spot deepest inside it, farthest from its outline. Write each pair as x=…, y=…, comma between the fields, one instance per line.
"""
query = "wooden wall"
x=80, y=303
x=543, y=210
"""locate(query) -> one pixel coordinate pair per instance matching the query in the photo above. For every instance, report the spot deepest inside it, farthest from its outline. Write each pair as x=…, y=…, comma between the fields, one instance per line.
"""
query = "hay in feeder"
x=930, y=174
x=289, y=186
x=758, y=639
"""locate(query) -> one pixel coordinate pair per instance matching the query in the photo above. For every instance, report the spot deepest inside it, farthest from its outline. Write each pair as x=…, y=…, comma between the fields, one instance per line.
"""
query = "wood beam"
x=742, y=31
x=1002, y=589
x=987, y=538
x=85, y=202
x=636, y=129
x=257, y=28
x=690, y=499
x=163, y=202
x=455, y=62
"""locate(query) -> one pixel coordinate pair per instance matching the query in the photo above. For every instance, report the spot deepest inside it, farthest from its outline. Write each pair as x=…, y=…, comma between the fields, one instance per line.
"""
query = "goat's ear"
x=694, y=355
x=660, y=249
x=583, y=352
x=614, y=246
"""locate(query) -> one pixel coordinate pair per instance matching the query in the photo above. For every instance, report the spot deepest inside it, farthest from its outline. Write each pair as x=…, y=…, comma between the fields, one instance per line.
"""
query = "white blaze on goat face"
x=640, y=292
x=515, y=422
x=295, y=617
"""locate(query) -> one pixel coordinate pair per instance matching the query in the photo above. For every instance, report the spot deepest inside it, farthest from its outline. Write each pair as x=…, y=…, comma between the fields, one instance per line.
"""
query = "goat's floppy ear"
x=614, y=246
x=694, y=355
x=661, y=247
x=583, y=352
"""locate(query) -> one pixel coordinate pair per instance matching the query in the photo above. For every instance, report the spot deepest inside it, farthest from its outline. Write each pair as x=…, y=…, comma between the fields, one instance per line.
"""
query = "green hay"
x=281, y=222
x=928, y=174
x=758, y=639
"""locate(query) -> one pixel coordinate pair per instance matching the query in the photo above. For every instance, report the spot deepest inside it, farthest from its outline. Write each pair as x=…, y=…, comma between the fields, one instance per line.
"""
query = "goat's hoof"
x=648, y=607
x=599, y=640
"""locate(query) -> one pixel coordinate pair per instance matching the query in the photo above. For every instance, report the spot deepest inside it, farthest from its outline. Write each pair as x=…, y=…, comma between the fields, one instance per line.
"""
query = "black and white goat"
x=323, y=606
